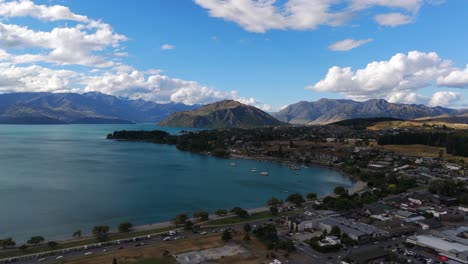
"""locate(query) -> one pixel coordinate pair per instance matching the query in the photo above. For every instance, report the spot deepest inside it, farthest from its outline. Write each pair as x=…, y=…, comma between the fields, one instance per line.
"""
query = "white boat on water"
x=232, y=164
x=253, y=170
x=264, y=173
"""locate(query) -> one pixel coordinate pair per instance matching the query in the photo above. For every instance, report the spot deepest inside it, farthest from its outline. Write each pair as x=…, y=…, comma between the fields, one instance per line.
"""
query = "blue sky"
x=262, y=52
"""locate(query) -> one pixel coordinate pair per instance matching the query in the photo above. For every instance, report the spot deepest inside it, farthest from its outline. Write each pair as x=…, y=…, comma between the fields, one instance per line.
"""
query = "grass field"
x=153, y=254
x=414, y=124
x=78, y=243
x=420, y=150
x=237, y=219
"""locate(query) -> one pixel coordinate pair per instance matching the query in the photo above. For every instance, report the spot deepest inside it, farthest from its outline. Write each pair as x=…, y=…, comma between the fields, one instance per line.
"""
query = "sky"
x=264, y=53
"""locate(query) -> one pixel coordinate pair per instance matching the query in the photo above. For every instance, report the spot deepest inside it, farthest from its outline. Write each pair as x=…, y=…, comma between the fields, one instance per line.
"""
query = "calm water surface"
x=58, y=179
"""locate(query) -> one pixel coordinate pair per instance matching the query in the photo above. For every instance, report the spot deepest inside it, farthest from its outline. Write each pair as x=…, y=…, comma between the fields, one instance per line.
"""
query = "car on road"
x=166, y=239
x=88, y=253
x=203, y=233
x=41, y=260
x=59, y=258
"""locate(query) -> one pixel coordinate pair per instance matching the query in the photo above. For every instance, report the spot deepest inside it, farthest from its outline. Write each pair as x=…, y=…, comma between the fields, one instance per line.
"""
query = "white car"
x=41, y=260
x=203, y=233
x=59, y=258
x=166, y=239
x=88, y=253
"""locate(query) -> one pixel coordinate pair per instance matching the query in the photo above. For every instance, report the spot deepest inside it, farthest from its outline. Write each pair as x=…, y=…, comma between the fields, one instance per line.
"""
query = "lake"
x=55, y=180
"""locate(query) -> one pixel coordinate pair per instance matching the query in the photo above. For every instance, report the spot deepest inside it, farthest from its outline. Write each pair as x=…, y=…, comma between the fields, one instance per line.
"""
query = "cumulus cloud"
x=263, y=15
x=167, y=47
x=393, y=19
x=24, y=8
x=82, y=44
x=457, y=78
x=396, y=80
x=445, y=98
x=348, y=44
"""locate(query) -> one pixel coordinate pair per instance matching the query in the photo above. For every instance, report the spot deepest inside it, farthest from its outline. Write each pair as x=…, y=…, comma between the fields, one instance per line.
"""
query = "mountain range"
x=88, y=108
x=98, y=108
x=223, y=114
x=326, y=111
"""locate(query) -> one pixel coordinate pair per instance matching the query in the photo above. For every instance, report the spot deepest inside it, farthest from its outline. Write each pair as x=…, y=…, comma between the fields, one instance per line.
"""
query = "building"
x=368, y=256
x=445, y=247
x=355, y=230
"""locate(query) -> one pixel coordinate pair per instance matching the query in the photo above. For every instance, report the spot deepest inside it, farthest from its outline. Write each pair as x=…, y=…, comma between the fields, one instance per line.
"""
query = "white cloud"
x=393, y=19
x=167, y=47
x=348, y=44
x=396, y=80
x=34, y=79
x=27, y=8
x=457, y=78
x=445, y=99
x=263, y=15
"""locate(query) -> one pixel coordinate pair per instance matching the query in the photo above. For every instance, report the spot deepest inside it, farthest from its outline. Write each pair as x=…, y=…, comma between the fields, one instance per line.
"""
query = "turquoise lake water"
x=55, y=180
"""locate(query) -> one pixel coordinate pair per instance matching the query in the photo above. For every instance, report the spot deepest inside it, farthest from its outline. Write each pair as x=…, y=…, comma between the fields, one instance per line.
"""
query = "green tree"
x=274, y=201
x=311, y=196
x=101, y=232
x=335, y=231
x=296, y=199
x=7, y=242
x=125, y=227
x=274, y=211
x=247, y=228
x=221, y=212
x=202, y=215
x=226, y=236
x=23, y=247
x=35, y=240
x=188, y=225
x=52, y=244
x=180, y=219
x=114, y=261
x=240, y=212
x=246, y=237
x=339, y=190
x=77, y=233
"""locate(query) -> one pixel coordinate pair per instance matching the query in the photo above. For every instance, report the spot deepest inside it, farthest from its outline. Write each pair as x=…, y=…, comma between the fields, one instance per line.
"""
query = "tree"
x=23, y=247
x=180, y=219
x=35, y=240
x=274, y=201
x=311, y=196
x=77, y=233
x=125, y=227
x=335, y=231
x=7, y=242
x=52, y=244
x=202, y=215
x=274, y=211
x=188, y=225
x=247, y=228
x=291, y=144
x=101, y=232
x=246, y=237
x=221, y=212
x=226, y=236
x=240, y=212
x=340, y=190
x=114, y=261
x=296, y=199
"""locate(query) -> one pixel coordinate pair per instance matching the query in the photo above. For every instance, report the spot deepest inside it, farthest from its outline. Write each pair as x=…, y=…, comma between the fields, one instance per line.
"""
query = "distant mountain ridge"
x=88, y=108
x=224, y=114
x=326, y=111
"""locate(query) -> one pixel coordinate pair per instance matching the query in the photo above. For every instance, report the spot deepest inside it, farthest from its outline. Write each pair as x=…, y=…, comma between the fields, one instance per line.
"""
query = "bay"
x=55, y=180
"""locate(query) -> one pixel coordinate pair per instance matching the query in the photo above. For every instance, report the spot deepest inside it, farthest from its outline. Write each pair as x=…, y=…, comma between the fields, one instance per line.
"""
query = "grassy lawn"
x=420, y=150
x=237, y=219
x=78, y=243
x=167, y=260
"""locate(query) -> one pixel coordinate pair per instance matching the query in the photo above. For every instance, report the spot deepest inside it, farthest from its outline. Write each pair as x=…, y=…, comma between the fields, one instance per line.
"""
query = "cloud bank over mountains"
x=398, y=79
x=33, y=60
